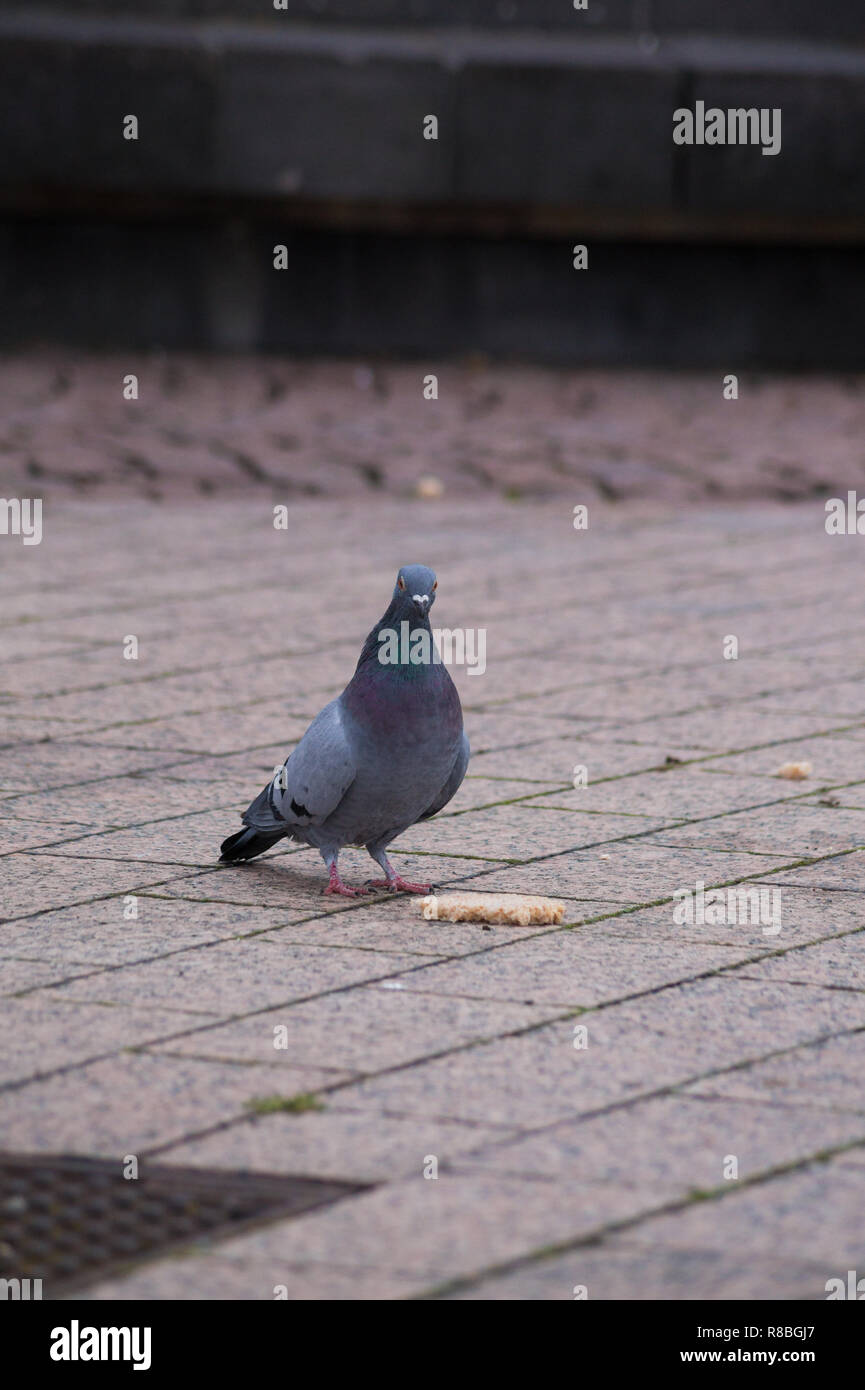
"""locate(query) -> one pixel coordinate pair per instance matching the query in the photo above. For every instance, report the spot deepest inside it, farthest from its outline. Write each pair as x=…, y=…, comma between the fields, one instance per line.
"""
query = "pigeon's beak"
x=421, y=603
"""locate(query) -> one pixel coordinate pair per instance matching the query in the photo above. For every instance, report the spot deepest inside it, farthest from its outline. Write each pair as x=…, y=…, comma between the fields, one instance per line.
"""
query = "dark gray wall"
x=256, y=128
x=835, y=20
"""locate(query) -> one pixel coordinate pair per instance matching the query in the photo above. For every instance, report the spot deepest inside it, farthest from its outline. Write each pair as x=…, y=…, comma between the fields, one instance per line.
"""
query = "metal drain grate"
x=68, y=1221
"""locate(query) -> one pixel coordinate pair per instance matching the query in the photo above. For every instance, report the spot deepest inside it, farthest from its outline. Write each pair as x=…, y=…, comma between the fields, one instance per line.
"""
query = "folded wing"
x=313, y=780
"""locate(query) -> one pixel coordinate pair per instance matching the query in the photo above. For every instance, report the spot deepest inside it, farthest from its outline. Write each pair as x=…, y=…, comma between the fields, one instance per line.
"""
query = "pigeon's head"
x=415, y=590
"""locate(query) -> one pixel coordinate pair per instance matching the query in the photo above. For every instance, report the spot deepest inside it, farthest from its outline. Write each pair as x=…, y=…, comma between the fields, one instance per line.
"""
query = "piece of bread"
x=517, y=909
x=794, y=772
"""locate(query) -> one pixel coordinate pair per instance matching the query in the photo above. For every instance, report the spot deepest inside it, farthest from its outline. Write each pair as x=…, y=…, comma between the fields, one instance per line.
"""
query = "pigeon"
x=388, y=752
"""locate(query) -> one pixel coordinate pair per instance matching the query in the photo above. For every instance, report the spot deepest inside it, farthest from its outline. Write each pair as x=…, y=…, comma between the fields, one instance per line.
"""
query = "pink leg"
x=399, y=885
x=336, y=885
x=393, y=880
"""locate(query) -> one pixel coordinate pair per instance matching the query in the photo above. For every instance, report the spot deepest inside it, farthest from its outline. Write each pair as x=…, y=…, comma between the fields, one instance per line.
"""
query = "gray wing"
x=452, y=785
x=312, y=781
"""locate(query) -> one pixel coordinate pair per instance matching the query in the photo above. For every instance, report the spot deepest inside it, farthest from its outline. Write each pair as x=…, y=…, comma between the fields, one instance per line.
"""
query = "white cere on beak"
x=420, y=598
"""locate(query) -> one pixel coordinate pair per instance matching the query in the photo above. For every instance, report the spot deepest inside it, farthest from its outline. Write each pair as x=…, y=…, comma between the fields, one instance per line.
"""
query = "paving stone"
x=806, y=1215
x=467, y=1224
x=34, y=883
x=102, y=933
x=220, y=731
x=679, y=794
x=549, y=759
x=28, y=834
x=498, y=729
x=722, y=729
x=16, y=728
x=193, y=839
x=135, y=1101
x=849, y=797
x=333, y=1143
x=124, y=801
x=721, y=683
x=521, y=423
x=376, y=1026
x=479, y=792
x=803, y=914
x=572, y=969
x=841, y=873
x=84, y=670
x=630, y=871
x=35, y=766
x=617, y=1270
x=842, y=700
x=21, y=642
x=670, y=1148
x=237, y=771
x=401, y=926
x=517, y=832
x=420, y=867
x=17, y=976
x=129, y=702
x=836, y=758
x=798, y=827
x=41, y=1033
x=826, y=1075
x=606, y=701
x=629, y=1049
x=232, y=977
x=211, y=1277
x=839, y=963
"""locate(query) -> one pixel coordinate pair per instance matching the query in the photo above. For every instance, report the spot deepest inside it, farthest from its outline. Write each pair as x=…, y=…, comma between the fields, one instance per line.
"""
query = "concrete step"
x=308, y=114
x=202, y=282
x=838, y=20
x=253, y=134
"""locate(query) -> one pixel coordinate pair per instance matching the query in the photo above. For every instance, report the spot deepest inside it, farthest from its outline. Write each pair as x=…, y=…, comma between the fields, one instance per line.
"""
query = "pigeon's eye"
x=401, y=582
x=435, y=586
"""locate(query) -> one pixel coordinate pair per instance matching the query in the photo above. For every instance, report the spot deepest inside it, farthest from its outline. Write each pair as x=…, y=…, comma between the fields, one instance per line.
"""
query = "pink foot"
x=335, y=885
x=399, y=885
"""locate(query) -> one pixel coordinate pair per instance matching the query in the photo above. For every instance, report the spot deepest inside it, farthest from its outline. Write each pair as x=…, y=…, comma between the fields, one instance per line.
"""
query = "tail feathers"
x=263, y=814
x=246, y=844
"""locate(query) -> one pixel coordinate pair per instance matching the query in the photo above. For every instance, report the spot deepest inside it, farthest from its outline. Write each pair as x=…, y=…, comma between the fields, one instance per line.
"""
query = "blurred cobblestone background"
x=206, y=426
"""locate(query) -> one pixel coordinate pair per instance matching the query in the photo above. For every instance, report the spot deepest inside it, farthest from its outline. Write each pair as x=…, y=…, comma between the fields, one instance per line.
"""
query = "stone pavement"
x=205, y=427
x=645, y=1108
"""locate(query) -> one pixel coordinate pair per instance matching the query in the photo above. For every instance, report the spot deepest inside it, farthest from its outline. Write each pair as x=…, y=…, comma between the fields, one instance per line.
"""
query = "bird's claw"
x=337, y=888
x=398, y=885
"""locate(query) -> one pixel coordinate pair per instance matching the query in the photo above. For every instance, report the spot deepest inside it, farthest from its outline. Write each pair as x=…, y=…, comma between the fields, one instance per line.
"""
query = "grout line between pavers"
x=464, y=1282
